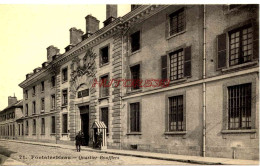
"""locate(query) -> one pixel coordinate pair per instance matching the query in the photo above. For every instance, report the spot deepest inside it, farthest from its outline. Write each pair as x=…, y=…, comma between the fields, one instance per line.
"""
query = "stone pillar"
x=92, y=113
x=116, y=91
x=72, y=114
x=58, y=106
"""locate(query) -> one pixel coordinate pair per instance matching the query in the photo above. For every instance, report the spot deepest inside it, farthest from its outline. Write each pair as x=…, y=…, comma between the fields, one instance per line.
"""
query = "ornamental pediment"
x=83, y=70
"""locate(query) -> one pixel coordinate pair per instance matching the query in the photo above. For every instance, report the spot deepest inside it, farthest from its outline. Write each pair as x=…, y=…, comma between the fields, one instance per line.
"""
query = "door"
x=85, y=124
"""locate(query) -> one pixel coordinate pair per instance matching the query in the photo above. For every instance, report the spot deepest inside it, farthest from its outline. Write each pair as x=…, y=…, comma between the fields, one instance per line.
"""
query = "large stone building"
x=208, y=106
x=9, y=127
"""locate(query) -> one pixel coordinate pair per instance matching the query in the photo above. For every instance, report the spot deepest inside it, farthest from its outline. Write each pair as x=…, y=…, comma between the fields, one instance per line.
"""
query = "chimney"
x=75, y=36
x=133, y=7
x=111, y=14
x=11, y=100
x=92, y=25
x=51, y=51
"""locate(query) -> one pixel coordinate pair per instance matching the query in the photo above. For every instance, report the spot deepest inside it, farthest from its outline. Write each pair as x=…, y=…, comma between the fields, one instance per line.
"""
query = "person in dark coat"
x=78, y=141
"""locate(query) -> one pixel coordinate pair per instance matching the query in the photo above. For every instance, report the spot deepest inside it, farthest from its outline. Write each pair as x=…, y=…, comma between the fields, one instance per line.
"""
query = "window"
x=135, y=41
x=53, y=124
x=26, y=109
x=26, y=94
x=42, y=86
x=34, y=126
x=22, y=129
x=104, y=55
x=176, y=65
x=241, y=45
x=179, y=65
x=104, y=116
x=65, y=74
x=52, y=102
x=177, y=22
x=104, y=88
x=65, y=123
x=33, y=93
x=34, y=107
x=239, y=107
x=53, y=81
x=19, y=129
x=175, y=114
x=42, y=104
x=135, y=76
x=65, y=97
x=13, y=130
x=135, y=117
x=43, y=126
x=27, y=128
x=83, y=93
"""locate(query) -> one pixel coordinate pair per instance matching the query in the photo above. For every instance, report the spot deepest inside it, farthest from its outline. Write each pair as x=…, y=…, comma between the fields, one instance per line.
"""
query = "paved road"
x=43, y=155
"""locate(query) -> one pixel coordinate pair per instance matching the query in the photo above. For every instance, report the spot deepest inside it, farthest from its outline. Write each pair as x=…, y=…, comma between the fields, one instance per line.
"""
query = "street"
x=44, y=155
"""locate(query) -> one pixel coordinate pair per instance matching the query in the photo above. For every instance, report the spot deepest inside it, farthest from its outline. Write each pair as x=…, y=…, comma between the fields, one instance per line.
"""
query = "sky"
x=28, y=27
x=27, y=30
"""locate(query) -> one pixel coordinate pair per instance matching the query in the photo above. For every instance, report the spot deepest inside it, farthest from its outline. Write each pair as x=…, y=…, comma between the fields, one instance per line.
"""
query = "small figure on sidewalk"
x=78, y=141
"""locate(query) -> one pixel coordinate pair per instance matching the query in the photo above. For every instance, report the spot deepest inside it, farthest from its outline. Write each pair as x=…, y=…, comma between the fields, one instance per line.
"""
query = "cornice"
x=121, y=23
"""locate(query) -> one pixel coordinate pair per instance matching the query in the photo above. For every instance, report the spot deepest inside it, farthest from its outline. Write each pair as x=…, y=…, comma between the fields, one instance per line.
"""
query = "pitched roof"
x=19, y=103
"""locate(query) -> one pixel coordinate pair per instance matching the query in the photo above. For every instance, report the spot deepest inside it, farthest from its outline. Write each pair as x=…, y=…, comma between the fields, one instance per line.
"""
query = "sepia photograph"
x=129, y=84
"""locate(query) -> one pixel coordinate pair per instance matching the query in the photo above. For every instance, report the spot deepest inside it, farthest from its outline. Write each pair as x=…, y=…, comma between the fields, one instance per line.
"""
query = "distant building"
x=9, y=128
x=209, y=54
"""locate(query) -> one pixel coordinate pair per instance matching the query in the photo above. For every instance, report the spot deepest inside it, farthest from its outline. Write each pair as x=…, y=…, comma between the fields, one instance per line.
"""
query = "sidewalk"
x=160, y=156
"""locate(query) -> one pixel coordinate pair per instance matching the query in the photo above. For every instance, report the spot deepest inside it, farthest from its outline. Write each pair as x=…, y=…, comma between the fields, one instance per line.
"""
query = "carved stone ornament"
x=83, y=71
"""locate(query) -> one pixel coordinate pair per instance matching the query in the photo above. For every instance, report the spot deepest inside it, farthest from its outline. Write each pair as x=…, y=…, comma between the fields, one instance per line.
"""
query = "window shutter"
x=137, y=117
x=164, y=67
x=256, y=40
x=222, y=54
x=167, y=22
x=187, y=61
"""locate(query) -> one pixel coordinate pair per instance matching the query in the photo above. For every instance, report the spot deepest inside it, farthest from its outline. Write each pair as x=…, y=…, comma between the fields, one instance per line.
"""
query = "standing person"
x=82, y=139
x=78, y=141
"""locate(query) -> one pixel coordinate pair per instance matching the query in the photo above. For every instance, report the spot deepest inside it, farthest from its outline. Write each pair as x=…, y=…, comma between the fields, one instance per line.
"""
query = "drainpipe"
x=204, y=83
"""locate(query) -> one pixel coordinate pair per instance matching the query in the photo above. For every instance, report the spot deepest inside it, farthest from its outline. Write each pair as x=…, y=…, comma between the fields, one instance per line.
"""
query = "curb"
x=160, y=158
x=125, y=154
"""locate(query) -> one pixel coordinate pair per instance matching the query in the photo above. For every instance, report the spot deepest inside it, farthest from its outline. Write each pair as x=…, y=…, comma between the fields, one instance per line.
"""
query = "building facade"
x=9, y=127
x=207, y=54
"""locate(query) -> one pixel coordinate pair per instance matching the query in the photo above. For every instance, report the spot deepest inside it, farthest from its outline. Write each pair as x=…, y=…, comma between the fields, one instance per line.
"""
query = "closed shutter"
x=137, y=117
x=164, y=67
x=132, y=118
x=256, y=40
x=187, y=61
x=222, y=51
x=167, y=22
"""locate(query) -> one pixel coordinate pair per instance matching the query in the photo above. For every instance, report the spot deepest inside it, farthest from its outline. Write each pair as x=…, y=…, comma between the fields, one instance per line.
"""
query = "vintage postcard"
x=129, y=84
